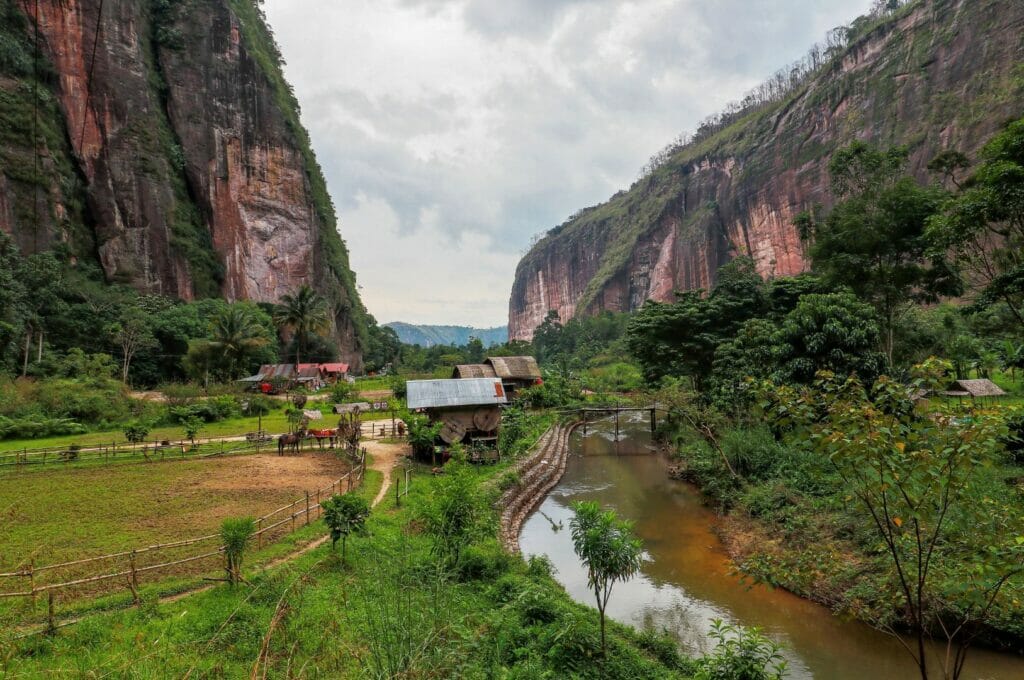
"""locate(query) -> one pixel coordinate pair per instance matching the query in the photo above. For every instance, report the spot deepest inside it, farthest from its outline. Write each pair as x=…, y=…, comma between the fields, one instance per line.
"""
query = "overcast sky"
x=452, y=131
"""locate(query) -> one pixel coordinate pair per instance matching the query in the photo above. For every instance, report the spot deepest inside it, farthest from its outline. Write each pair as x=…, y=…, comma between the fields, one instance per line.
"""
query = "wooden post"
x=398, y=486
x=307, y=508
x=653, y=422
x=616, y=424
x=349, y=484
x=293, y=520
x=32, y=581
x=133, y=579
x=584, y=422
x=259, y=534
x=51, y=624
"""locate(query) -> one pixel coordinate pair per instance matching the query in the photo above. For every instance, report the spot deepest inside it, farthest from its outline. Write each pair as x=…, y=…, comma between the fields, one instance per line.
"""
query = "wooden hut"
x=980, y=388
x=516, y=373
x=474, y=371
x=469, y=409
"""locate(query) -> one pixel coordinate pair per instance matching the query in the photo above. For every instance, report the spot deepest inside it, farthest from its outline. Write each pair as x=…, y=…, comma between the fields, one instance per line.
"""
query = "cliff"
x=168, y=151
x=936, y=75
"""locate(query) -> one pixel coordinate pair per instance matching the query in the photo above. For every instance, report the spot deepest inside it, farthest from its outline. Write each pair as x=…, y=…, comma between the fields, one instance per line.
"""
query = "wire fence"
x=125, y=570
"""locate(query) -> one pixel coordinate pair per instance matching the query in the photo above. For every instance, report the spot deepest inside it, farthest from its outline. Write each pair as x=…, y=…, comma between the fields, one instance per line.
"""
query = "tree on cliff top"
x=304, y=313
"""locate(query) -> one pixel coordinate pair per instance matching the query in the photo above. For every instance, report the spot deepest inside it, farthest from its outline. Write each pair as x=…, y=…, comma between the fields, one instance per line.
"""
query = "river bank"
x=690, y=578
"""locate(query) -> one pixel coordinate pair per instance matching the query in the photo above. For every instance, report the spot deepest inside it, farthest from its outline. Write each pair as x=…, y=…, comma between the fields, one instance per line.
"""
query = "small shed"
x=469, y=409
x=474, y=371
x=308, y=376
x=273, y=377
x=979, y=388
x=516, y=373
x=333, y=372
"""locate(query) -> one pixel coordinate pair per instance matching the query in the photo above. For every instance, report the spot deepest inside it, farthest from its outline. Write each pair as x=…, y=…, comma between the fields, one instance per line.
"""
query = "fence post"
x=293, y=520
x=259, y=534
x=307, y=508
x=44, y=457
x=133, y=579
x=349, y=482
x=398, y=490
x=51, y=624
x=32, y=581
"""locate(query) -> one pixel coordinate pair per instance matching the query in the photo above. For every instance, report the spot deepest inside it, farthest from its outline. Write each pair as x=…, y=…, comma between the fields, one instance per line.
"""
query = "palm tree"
x=305, y=313
x=235, y=336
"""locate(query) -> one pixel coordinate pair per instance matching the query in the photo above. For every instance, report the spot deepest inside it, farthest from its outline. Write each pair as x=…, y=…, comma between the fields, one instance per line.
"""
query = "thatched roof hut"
x=474, y=371
x=975, y=389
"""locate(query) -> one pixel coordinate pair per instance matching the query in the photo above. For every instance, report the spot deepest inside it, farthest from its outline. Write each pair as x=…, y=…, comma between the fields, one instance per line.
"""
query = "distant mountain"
x=428, y=336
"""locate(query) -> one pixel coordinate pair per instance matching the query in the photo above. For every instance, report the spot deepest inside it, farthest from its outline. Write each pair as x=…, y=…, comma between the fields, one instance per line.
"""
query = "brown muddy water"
x=687, y=580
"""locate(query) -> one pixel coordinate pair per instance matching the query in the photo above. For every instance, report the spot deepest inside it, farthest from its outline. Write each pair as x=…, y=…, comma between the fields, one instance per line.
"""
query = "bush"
x=483, y=561
x=753, y=453
x=135, y=431
x=741, y=654
x=32, y=427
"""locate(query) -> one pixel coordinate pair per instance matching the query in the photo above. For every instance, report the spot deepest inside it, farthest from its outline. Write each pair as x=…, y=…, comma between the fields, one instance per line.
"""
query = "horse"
x=292, y=441
x=331, y=435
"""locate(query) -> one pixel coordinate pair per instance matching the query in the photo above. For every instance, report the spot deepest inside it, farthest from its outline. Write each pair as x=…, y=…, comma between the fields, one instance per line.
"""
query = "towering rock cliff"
x=936, y=75
x=169, y=150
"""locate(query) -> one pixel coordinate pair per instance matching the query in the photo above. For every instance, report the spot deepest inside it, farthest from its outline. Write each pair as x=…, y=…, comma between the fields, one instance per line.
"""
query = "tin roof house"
x=469, y=409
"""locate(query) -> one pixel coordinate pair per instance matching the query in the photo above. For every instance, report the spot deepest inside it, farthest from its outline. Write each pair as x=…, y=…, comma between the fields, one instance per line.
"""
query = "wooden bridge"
x=618, y=410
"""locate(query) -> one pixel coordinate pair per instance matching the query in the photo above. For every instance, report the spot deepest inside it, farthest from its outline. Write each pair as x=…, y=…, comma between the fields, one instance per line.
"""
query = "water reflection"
x=687, y=581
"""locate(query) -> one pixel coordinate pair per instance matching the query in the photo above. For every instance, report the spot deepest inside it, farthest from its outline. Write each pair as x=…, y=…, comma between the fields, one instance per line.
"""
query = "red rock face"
x=185, y=148
x=942, y=77
x=111, y=111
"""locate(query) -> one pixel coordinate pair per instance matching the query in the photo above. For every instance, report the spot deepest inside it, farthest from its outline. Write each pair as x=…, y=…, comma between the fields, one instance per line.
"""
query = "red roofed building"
x=333, y=372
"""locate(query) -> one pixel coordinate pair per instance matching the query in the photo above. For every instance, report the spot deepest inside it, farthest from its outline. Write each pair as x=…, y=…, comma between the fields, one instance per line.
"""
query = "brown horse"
x=292, y=441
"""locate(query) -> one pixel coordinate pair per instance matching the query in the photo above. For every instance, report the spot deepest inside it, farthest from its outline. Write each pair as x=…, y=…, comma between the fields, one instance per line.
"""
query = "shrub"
x=741, y=654
x=483, y=561
x=135, y=431
x=235, y=534
x=753, y=453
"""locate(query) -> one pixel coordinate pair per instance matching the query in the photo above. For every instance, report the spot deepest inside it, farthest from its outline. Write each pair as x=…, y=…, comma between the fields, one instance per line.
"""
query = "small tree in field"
x=345, y=514
x=607, y=548
x=192, y=426
x=135, y=432
x=235, y=532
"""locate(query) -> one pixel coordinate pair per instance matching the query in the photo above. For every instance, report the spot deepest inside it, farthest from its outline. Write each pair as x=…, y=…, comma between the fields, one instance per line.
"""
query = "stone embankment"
x=539, y=473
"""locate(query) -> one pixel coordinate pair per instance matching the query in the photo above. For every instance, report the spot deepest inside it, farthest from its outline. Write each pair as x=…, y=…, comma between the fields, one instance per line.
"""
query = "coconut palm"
x=304, y=313
x=236, y=335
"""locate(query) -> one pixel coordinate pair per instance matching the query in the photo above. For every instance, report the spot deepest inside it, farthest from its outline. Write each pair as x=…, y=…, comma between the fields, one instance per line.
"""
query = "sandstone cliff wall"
x=193, y=171
x=943, y=74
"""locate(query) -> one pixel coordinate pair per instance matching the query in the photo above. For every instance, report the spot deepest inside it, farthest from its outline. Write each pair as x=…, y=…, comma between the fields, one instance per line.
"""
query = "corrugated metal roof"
x=270, y=371
x=458, y=392
x=334, y=368
x=474, y=371
x=520, y=368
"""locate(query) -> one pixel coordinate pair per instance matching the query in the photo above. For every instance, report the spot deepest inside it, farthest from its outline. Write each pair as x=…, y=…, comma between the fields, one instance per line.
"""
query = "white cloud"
x=451, y=131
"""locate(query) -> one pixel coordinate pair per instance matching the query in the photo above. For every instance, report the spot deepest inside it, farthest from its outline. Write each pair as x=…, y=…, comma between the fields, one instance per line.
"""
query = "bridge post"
x=616, y=423
x=584, y=422
x=653, y=422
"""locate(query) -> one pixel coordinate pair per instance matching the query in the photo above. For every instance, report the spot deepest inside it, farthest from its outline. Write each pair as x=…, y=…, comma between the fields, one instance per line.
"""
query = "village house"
x=272, y=378
x=469, y=409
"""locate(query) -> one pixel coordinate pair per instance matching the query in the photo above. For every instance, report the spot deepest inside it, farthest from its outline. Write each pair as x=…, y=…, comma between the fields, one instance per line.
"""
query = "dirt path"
x=385, y=456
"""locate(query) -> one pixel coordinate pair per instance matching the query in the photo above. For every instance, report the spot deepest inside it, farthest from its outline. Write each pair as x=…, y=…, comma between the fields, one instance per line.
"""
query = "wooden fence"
x=173, y=450
x=106, y=574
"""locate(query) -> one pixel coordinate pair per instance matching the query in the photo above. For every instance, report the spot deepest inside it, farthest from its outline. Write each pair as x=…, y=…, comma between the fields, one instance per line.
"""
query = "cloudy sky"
x=452, y=131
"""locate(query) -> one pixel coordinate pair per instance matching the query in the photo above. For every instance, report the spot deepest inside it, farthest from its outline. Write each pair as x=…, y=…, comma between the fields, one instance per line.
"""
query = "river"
x=687, y=580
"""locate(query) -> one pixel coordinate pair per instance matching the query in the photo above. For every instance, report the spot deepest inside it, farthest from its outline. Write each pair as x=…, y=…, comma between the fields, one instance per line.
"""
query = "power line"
x=88, y=78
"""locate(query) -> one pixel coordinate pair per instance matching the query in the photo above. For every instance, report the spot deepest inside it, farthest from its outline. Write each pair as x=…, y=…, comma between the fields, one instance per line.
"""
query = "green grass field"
x=66, y=514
